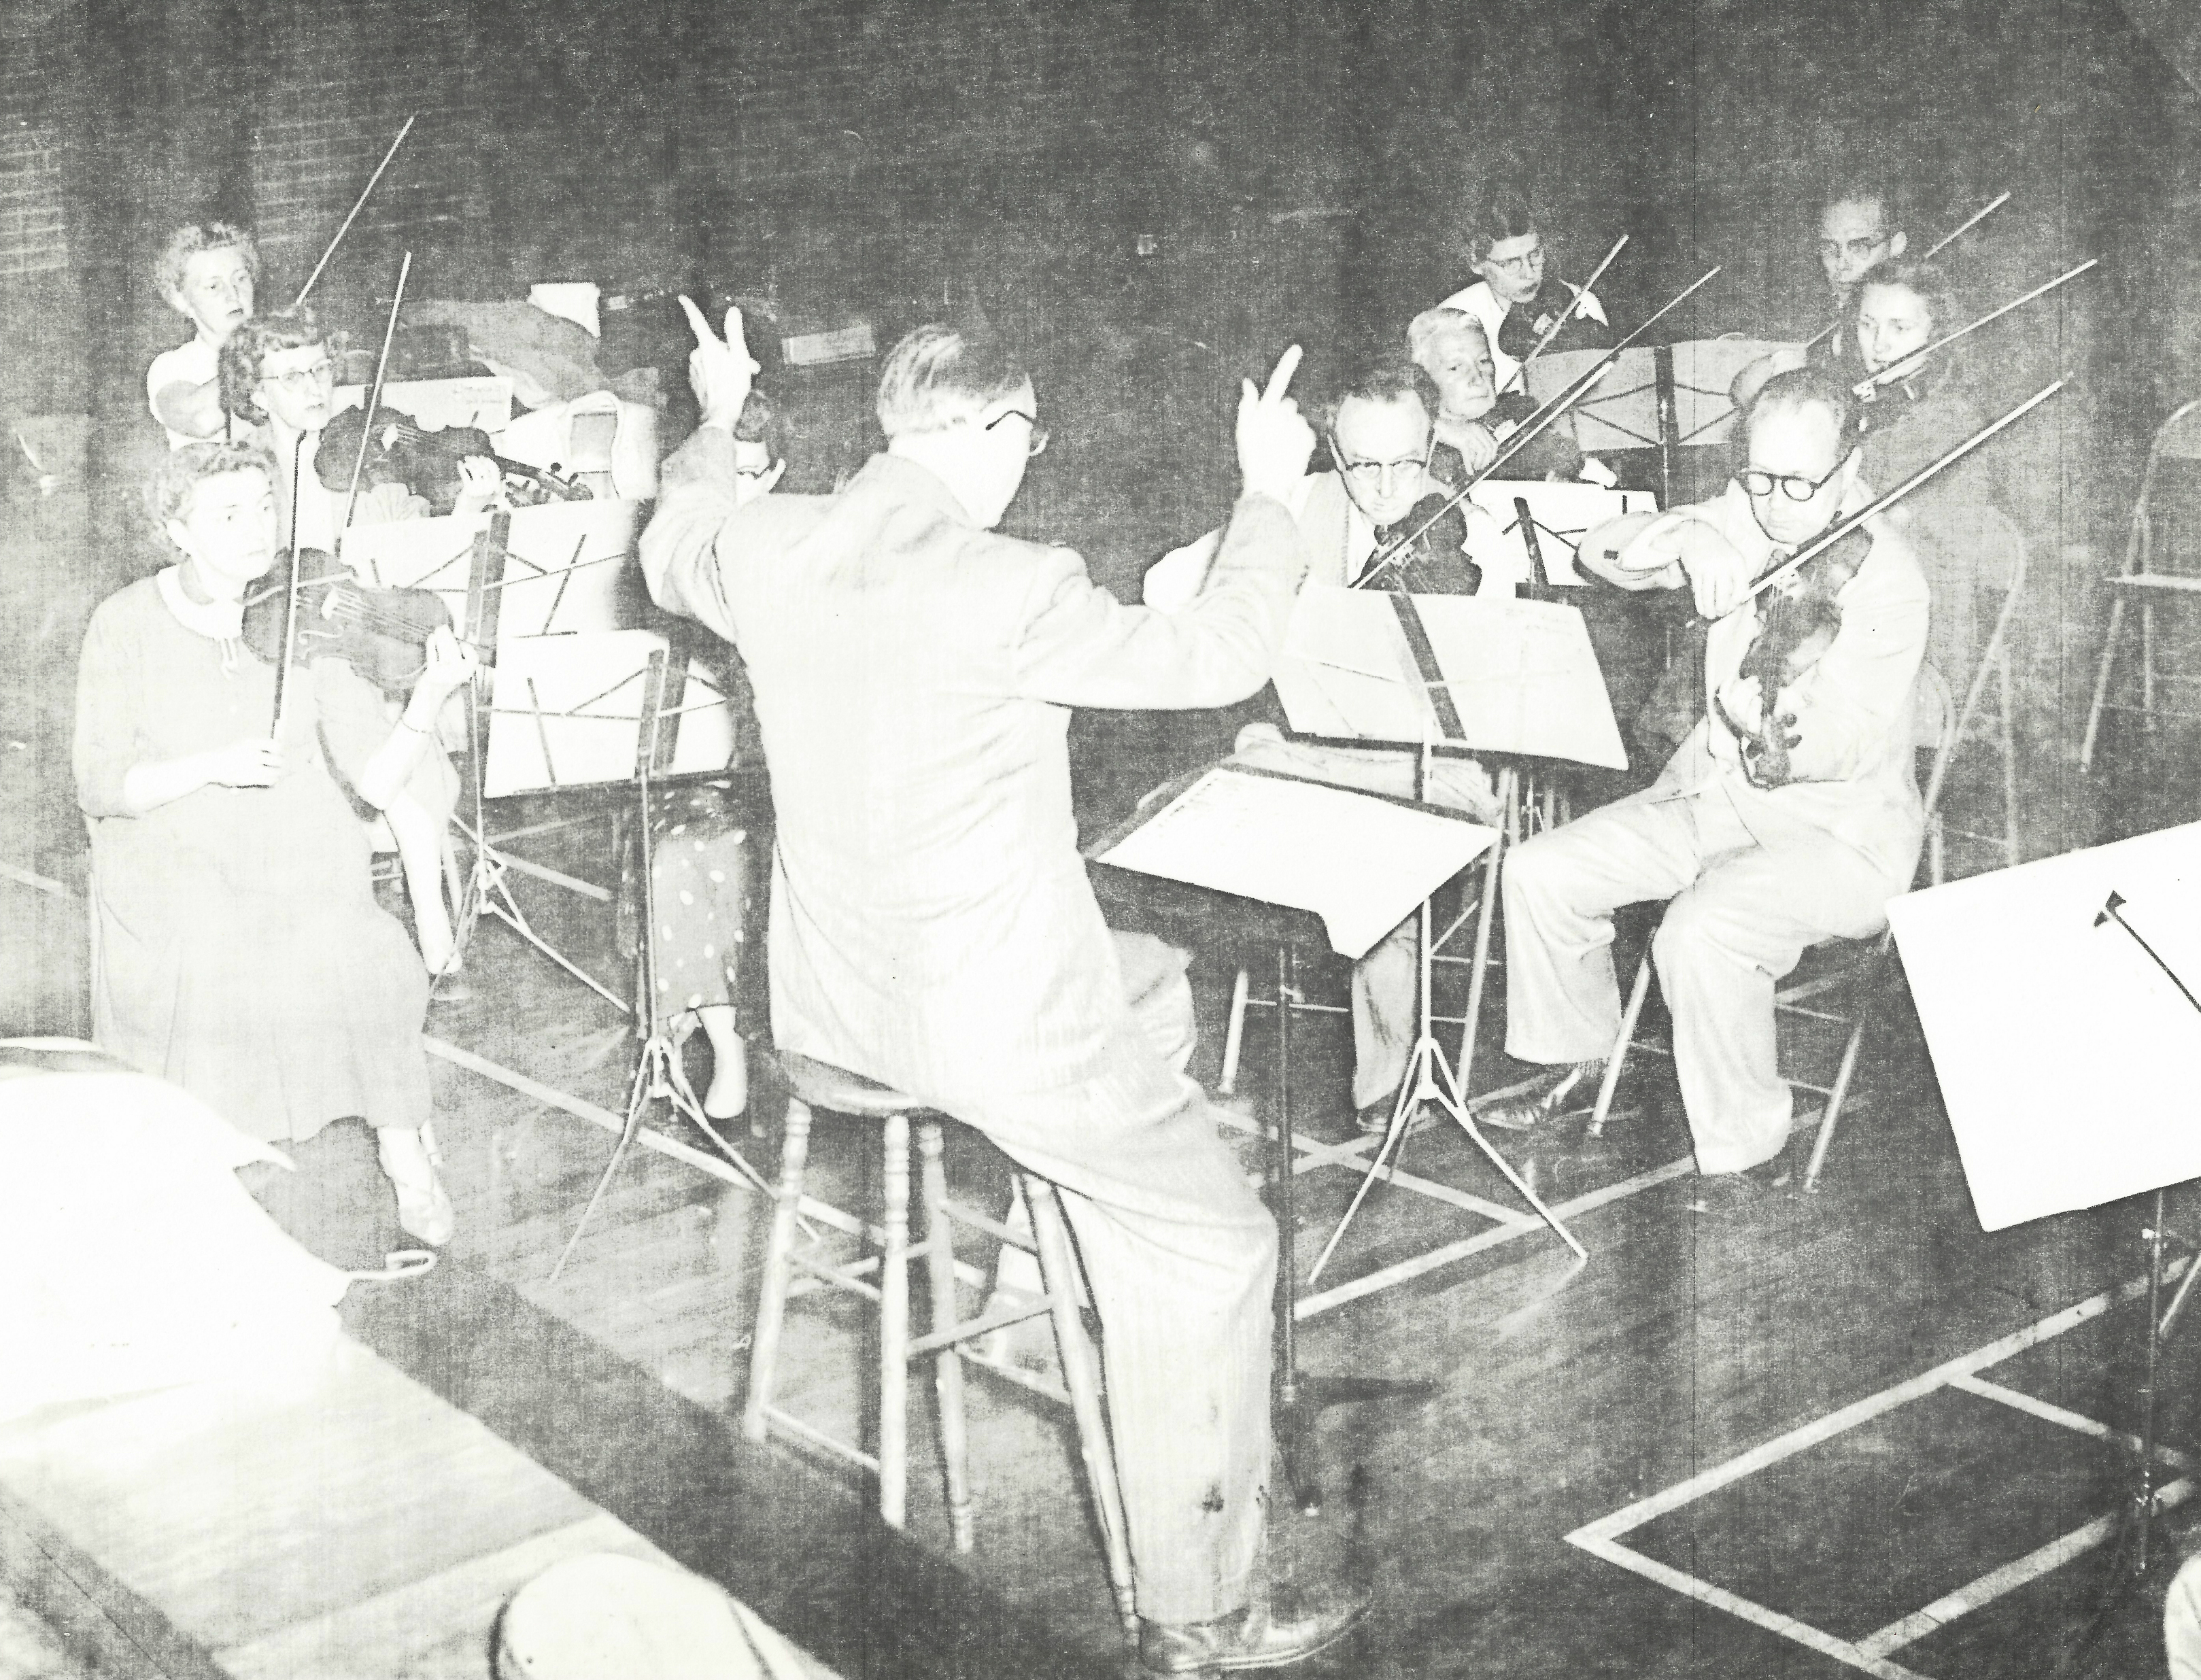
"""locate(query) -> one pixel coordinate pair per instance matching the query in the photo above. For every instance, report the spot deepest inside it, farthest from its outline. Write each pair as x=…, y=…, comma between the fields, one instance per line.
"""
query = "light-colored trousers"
x=1385, y=1022
x=1181, y=1257
x=1742, y=915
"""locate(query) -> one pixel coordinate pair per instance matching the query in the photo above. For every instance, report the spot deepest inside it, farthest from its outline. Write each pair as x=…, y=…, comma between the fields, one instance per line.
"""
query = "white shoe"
x=424, y=1206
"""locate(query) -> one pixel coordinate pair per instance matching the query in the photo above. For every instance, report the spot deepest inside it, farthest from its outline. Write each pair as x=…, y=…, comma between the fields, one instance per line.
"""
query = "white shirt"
x=196, y=363
x=1484, y=304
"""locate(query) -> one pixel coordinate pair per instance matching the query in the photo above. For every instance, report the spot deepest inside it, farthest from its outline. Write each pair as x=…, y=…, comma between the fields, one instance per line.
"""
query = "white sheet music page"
x=2066, y=1055
x=1522, y=675
x=1363, y=864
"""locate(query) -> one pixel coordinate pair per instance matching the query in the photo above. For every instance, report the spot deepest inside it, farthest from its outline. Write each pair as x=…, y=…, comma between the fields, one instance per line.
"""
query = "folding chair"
x=2178, y=438
x=1994, y=664
x=1835, y=984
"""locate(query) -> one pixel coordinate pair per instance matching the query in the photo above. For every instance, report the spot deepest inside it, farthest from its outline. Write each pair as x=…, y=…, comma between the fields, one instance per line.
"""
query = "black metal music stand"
x=1299, y=1396
x=658, y=1075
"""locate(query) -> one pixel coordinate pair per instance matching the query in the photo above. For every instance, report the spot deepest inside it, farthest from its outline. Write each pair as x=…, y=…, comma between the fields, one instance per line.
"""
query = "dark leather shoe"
x=1258, y=1636
x=1375, y=1117
x=1533, y=1108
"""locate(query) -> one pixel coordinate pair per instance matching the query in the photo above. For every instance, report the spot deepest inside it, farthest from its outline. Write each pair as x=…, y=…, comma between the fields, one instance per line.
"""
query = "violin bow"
x=1935, y=250
x=1872, y=382
x=1574, y=303
x=358, y=205
x=1528, y=431
x=290, y=602
x=1842, y=528
x=373, y=400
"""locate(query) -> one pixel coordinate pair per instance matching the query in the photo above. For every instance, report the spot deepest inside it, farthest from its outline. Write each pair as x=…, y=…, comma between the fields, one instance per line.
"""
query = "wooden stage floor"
x=1842, y=1433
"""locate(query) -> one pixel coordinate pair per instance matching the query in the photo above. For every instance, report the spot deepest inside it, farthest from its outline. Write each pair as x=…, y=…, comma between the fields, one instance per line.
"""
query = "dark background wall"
x=1300, y=165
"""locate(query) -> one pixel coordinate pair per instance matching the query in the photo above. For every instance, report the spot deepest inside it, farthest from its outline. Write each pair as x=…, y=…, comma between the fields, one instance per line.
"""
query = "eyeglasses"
x=321, y=373
x=1793, y=485
x=1832, y=250
x=1034, y=445
x=1523, y=265
x=1373, y=475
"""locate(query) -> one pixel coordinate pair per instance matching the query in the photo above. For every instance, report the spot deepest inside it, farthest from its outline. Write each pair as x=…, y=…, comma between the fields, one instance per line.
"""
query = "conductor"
x=931, y=924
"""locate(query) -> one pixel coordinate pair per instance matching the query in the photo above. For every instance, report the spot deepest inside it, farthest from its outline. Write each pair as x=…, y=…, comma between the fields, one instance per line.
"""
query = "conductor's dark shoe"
x=1562, y=1088
x=1375, y=1117
x=1258, y=1636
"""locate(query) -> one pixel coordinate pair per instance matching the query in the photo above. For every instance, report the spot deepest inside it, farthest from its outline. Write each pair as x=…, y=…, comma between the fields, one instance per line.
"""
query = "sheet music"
x=1361, y=863
x=2066, y=1057
x=567, y=711
x=480, y=400
x=1522, y=674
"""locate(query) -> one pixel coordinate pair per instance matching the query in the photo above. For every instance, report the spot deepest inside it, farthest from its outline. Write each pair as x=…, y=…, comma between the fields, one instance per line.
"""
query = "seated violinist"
x=1472, y=420
x=1920, y=410
x=275, y=372
x=237, y=948
x=206, y=273
x=1789, y=816
x=1377, y=428
x=1520, y=294
x=1858, y=227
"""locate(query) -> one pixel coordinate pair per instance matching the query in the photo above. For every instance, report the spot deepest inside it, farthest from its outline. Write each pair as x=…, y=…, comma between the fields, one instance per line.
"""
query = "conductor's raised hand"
x=1274, y=439
x=720, y=371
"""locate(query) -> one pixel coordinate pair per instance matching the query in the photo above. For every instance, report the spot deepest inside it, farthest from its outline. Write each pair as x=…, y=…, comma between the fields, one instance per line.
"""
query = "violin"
x=1797, y=623
x=399, y=450
x=381, y=633
x=1433, y=563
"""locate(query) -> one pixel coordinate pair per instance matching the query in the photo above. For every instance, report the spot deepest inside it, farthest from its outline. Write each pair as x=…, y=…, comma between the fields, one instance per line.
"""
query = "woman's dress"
x=236, y=946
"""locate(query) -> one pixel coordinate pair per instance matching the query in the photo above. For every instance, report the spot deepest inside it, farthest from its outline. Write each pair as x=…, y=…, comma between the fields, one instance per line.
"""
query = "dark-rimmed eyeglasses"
x=1373, y=475
x=1794, y=486
x=1036, y=444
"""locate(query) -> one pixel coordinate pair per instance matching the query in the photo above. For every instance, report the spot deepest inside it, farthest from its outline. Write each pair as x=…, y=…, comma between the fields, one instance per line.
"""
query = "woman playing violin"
x=277, y=372
x=236, y=946
x=1519, y=296
x=1921, y=407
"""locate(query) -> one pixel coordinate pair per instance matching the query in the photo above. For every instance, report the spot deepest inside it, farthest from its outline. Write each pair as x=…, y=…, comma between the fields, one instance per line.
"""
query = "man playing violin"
x=1759, y=863
x=1858, y=227
x=1378, y=430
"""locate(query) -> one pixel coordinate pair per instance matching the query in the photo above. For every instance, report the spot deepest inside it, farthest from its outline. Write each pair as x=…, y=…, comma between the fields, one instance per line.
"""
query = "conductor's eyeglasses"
x=1034, y=445
x=1795, y=488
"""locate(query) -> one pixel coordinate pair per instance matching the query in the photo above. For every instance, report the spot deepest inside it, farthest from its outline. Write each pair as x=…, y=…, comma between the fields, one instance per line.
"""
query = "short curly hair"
x=243, y=350
x=1799, y=388
x=179, y=477
x=188, y=241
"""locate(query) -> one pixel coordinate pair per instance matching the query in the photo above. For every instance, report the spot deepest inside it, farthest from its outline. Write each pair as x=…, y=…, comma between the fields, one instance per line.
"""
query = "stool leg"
x=893, y=1328
x=1057, y=1265
x=771, y=1292
x=940, y=1269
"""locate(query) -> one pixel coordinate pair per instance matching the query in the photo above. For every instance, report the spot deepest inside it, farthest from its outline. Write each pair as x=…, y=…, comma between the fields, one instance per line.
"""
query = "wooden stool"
x=814, y=1084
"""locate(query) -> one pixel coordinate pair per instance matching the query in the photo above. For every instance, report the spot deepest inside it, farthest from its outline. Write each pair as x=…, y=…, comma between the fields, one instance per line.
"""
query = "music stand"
x=2009, y=971
x=533, y=573
x=658, y=1074
x=1229, y=841
x=1558, y=516
x=1394, y=669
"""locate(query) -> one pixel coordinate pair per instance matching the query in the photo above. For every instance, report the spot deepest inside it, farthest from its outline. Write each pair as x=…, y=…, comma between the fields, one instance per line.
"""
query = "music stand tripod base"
x=1301, y=1397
